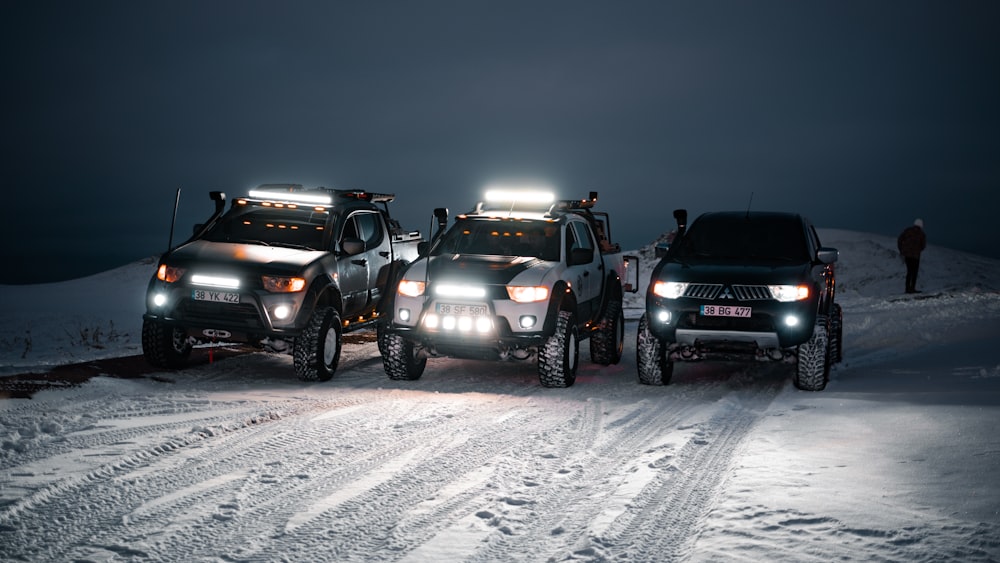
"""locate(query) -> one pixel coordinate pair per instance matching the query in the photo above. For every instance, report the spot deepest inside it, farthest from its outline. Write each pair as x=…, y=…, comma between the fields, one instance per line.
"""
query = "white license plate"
x=725, y=311
x=459, y=310
x=215, y=296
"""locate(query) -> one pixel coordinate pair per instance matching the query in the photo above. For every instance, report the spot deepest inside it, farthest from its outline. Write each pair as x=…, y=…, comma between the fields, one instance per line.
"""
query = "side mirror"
x=352, y=246
x=423, y=248
x=827, y=255
x=661, y=249
x=631, y=274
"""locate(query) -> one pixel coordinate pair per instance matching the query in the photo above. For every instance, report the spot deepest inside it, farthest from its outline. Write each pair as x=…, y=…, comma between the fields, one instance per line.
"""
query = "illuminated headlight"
x=282, y=312
x=527, y=321
x=159, y=300
x=449, y=323
x=403, y=314
x=465, y=324
x=670, y=290
x=447, y=290
x=483, y=324
x=283, y=284
x=215, y=281
x=791, y=320
x=663, y=317
x=786, y=293
x=527, y=293
x=169, y=274
x=411, y=288
x=432, y=321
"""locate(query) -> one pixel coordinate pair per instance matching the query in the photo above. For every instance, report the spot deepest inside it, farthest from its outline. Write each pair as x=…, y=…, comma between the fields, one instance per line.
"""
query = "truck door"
x=378, y=252
x=353, y=268
x=584, y=267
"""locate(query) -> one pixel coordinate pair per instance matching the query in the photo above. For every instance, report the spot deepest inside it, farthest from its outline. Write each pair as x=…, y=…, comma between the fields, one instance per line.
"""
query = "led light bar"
x=321, y=199
x=215, y=281
x=460, y=291
x=520, y=196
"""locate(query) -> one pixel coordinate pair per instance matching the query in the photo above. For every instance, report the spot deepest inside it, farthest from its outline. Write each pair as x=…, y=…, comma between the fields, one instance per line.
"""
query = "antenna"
x=177, y=200
x=748, y=205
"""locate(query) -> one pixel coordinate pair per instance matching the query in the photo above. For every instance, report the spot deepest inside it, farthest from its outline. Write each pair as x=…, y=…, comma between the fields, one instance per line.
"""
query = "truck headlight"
x=670, y=290
x=528, y=293
x=786, y=293
x=411, y=288
x=283, y=284
x=169, y=274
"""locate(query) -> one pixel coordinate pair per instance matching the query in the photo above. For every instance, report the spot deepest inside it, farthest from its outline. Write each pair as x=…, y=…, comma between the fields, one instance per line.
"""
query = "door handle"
x=361, y=262
x=384, y=254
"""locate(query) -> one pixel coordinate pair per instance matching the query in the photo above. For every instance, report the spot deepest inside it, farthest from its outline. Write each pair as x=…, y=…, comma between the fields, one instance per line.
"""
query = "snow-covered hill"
x=238, y=461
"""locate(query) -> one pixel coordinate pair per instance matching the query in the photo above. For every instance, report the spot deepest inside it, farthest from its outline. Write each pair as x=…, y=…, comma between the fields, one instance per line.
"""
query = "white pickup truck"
x=522, y=276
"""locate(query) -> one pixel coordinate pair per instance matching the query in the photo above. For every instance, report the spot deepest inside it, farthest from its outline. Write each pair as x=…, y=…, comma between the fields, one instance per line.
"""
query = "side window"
x=369, y=229
x=581, y=244
x=351, y=229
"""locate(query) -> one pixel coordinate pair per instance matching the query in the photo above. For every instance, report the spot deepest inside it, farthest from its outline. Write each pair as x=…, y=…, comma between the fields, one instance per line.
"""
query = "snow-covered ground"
x=236, y=460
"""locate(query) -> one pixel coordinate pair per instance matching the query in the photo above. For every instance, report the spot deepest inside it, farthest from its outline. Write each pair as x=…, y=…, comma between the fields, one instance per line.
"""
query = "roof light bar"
x=321, y=199
x=520, y=196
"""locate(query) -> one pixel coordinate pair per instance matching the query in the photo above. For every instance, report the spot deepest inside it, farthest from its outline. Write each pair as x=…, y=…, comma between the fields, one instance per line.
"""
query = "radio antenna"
x=748, y=205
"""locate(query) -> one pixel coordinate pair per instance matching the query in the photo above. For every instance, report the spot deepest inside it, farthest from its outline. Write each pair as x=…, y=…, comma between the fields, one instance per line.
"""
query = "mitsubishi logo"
x=726, y=294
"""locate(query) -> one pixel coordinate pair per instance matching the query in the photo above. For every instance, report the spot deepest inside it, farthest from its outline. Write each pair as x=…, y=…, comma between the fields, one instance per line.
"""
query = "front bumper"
x=771, y=324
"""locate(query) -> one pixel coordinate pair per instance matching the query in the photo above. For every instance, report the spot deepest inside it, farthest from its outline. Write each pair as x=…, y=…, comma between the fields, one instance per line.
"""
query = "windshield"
x=773, y=238
x=297, y=228
x=493, y=237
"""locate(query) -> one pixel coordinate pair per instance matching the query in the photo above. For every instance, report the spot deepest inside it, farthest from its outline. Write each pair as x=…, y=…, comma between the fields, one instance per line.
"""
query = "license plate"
x=215, y=296
x=459, y=310
x=725, y=311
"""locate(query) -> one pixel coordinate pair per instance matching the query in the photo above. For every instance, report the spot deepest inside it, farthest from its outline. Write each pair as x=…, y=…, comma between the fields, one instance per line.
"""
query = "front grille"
x=209, y=313
x=703, y=290
x=711, y=291
x=751, y=292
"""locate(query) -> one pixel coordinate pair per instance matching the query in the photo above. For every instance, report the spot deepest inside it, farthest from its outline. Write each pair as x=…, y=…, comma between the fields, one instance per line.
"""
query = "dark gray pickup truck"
x=286, y=269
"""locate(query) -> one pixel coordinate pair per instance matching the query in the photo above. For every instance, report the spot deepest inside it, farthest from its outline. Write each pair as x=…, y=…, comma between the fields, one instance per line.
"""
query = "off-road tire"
x=399, y=358
x=317, y=350
x=655, y=368
x=836, y=334
x=559, y=355
x=607, y=341
x=164, y=346
x=813, y=368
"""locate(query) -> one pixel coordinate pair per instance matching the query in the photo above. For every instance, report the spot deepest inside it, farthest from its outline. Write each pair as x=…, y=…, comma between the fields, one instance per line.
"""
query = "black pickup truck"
x=737, y=285
x=286, y=269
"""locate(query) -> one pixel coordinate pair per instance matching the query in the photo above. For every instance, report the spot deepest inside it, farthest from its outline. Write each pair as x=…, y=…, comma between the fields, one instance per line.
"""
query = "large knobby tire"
x=607, y=342
x=164, y=346
x=813, y=367
x=836, y=334
x=558, y=357
x=400, y=359
x=317, y=350
x=655, y=368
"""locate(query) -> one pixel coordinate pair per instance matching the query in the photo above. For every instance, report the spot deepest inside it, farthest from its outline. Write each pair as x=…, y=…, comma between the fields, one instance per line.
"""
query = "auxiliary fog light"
x=483, y=324
x=159, y=300
x=404, y=315
x=663, y=317
x=465, y=324
x=432, y=321
x=791, y=320
x=449, y=323
x=282, y=312
x=527, y=321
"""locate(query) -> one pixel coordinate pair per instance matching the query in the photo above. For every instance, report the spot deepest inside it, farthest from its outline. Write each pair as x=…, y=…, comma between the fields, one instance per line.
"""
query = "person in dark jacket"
x=911, y=242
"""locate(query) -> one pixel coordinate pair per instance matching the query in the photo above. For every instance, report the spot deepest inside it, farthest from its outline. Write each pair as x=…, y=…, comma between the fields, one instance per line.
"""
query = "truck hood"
x=487, y=270
x=208, y=255
x=763, y=273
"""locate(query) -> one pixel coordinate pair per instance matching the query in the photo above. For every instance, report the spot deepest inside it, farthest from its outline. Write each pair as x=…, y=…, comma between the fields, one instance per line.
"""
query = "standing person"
x=911, y=243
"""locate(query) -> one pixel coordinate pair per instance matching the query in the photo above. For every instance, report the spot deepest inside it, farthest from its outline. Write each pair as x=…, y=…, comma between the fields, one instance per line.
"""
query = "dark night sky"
x=862, y=115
